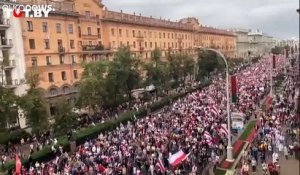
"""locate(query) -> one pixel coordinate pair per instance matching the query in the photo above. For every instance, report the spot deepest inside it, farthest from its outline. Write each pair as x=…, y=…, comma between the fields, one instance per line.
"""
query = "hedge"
x=13, y=137
x=92, y=131
x=220, y=172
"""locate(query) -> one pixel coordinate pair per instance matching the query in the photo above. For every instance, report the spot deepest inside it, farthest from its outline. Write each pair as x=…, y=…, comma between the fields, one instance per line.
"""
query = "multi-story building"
x=252, y=43
x=292, y=42
x=82, y=31
x=12, y=62
x=260, y=43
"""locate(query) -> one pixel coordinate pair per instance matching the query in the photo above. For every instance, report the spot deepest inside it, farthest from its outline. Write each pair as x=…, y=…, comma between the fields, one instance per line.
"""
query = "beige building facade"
x=82, y=31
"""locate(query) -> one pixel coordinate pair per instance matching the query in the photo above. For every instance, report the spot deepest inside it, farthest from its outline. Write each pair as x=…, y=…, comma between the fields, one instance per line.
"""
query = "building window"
x=150, y=34
x=89, y=30
x=73, y=57
x=127, y=33
x=34, y=61
x=145, y=34
x=139, y=33
x=58, y=28
x=70, y=28
x=75, y=74
x=63, y=75
x=61, y=59
x=159, y=35
x=133, y=44
x=98, y=32
x=133, y=33
x=29, y=26
x=72, y=44
x=31, y=43
x=112, y=30
x=48, y=60
x=150, y=44
x=145, y=44
x=66, y=90
x=128, y=44
x=53, y=92
x=120, y=32
x=168, y=35
x=164, y=35
x=50, y=77
x=47, y=43
x=45, y=27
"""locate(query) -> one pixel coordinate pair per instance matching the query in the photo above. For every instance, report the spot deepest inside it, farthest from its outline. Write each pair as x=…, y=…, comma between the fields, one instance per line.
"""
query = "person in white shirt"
x=253, y=164
x=275, y=157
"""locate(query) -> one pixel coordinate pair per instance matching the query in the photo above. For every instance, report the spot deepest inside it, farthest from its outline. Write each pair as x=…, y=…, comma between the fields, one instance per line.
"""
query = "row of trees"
x=106, y=84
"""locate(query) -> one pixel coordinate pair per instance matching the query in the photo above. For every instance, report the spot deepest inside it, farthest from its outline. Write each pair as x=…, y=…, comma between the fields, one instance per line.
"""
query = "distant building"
x=252, y=43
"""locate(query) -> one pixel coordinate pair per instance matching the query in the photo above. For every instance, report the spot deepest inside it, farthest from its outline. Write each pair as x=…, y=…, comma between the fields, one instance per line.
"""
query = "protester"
x=183, y=138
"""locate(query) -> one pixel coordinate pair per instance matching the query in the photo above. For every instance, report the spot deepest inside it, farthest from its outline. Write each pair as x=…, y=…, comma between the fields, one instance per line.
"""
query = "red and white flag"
x=161, y=166
x=207, y=135
x=177, y=158
x=18, y=165
x=223, y=129
x=214, y=110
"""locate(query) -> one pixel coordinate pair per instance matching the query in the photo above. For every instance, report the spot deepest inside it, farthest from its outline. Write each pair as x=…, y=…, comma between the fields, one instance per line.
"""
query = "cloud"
x=278, y=18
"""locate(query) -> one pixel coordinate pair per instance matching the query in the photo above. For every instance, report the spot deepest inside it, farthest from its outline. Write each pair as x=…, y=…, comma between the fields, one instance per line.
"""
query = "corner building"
x=82, y=31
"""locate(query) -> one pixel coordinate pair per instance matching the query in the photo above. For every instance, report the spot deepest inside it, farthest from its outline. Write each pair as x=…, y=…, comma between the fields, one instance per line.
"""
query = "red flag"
x=233, y=89
x=268, y=102
x=18, y=165
x=274, y=61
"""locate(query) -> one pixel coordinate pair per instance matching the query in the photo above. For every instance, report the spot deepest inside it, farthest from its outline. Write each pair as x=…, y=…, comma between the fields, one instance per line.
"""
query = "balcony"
x=4, y=23
x=9, y=64
x=6, y=43
x=98, y=47
x=89, y=36
x=61, y=50
x=9, y=83
x=140, y=38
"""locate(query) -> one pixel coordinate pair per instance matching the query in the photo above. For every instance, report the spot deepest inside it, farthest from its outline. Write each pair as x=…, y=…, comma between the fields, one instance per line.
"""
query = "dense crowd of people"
x=278, y=136
x=194, y=125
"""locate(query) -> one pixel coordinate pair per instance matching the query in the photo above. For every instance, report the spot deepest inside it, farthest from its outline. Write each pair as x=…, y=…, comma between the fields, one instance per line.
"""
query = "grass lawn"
x=248, y=130
x=220, y=172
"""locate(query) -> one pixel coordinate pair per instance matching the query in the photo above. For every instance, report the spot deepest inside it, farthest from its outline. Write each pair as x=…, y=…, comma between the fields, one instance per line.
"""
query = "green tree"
x=175, y=67
x=277, y=50
x=208, y=62
x=65, y=119
x=34, y=105
x=124, y=73
x=188, y=66
x=8, y=108
x=92, y=90
x=156, y=70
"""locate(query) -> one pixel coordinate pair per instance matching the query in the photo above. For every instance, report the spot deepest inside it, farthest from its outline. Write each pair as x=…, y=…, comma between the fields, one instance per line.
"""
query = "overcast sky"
x=278, y=18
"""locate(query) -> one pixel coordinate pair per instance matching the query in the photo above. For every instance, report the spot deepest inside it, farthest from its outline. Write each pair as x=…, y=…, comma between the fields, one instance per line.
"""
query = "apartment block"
x=83, y=31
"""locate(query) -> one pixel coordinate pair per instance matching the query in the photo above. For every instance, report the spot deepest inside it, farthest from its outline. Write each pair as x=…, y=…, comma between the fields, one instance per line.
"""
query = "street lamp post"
x=229, y=145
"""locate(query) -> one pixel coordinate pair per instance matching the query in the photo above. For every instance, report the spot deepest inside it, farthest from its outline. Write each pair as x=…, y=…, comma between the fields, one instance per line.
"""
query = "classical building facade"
x=252, y=43
x=82, y=31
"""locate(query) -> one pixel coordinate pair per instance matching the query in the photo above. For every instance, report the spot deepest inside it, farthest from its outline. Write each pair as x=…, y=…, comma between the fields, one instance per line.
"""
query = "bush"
x=13, y=137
